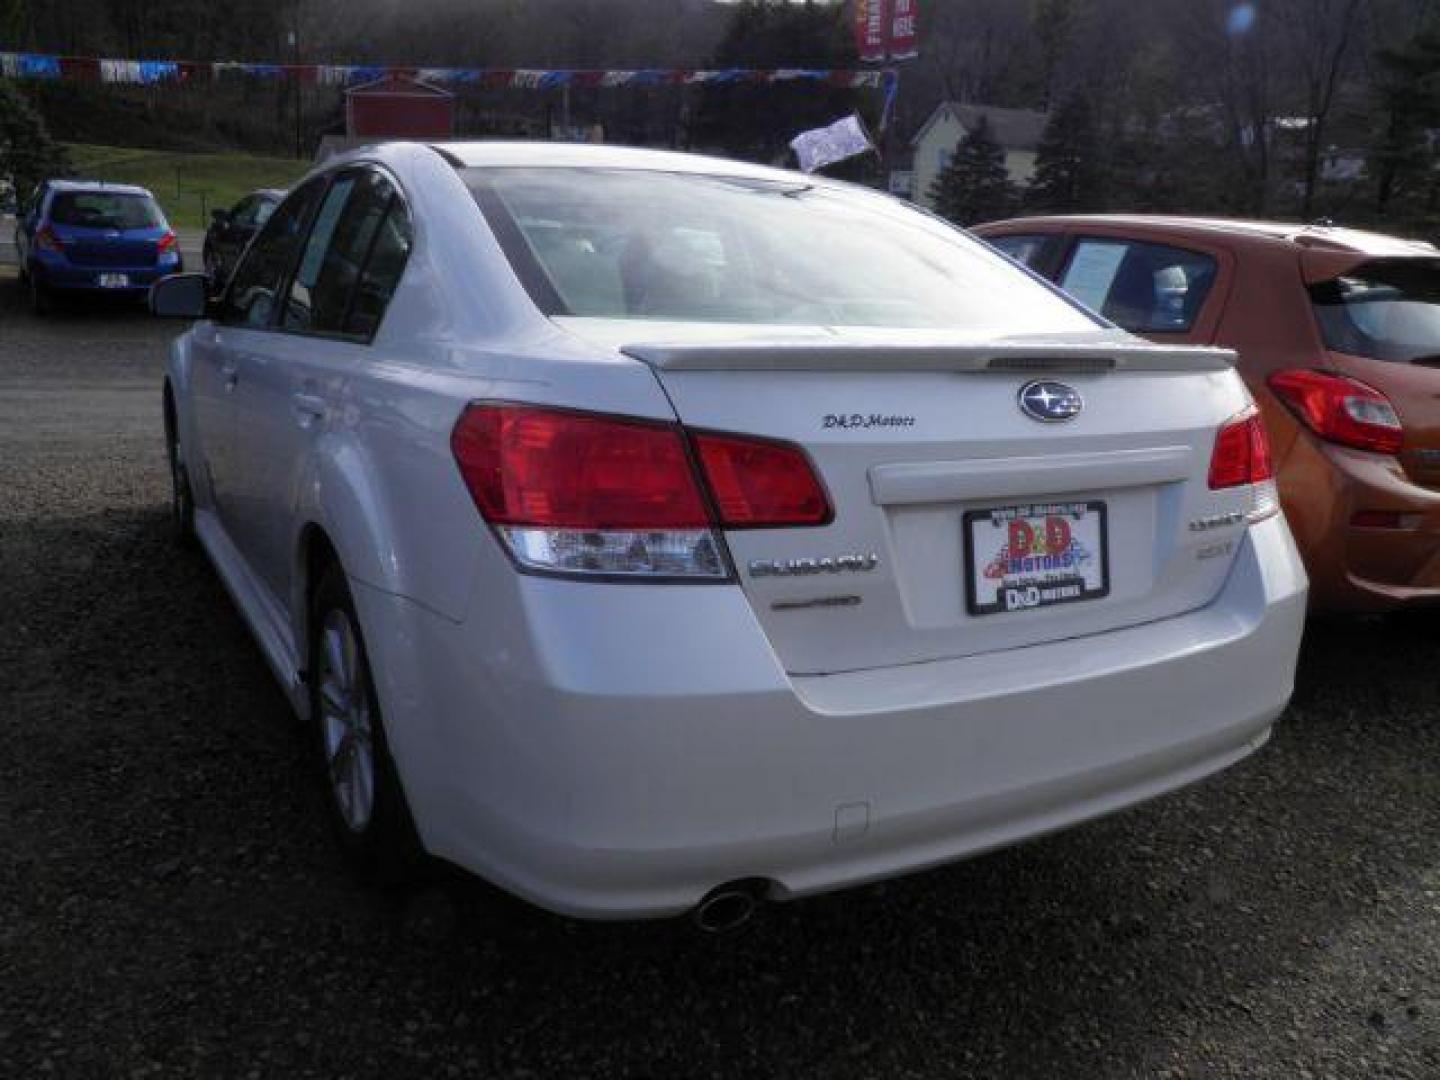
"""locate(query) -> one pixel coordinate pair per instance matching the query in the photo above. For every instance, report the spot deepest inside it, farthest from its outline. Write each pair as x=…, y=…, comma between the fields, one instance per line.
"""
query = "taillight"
x=1242, y=453
x=1241, y=458
x=585, y=493
x=166, y=242
x=1341, y=410
x=760, y=484
x=46, y=240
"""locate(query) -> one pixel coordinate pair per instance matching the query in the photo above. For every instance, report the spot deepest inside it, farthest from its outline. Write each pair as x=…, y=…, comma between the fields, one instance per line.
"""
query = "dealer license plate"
x=113, y=281
x=1035, y=556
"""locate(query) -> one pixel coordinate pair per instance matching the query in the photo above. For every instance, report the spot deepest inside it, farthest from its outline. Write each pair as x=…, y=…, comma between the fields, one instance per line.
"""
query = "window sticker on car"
x=1092, y=272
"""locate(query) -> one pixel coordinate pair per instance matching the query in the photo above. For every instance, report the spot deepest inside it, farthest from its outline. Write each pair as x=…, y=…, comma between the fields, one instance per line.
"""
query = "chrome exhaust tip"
x=727, y=907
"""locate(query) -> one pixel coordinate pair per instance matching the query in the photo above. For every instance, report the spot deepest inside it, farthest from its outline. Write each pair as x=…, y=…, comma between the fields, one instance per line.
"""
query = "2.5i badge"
x=1035, y=556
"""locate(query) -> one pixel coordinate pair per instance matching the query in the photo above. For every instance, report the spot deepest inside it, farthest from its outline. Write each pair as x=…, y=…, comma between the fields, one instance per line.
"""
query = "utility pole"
x=295, y=76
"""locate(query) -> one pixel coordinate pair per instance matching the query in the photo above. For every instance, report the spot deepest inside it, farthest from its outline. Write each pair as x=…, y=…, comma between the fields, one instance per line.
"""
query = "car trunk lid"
x=1380, y=319
x=928, y=458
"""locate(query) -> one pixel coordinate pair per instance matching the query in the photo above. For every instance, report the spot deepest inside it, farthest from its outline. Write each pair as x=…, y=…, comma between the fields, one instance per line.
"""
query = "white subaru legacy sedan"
x=650, y=533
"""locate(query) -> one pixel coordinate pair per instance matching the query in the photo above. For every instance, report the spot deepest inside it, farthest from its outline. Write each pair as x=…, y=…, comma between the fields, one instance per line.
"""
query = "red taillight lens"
x=1242, y=453
x=583, y=493
x=760, y=484
x=46, y=240
x=558, y=469
x=1341, y=410
x=166, y=243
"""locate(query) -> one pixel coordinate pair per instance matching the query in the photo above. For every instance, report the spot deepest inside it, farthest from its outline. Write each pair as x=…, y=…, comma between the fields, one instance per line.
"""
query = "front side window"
x=244, y=213
x=633, y=244
x=1385, y=310
x=250, y=299
x=343, y=240
x=1023, y=249
x=1146, y=288
x=105, y=210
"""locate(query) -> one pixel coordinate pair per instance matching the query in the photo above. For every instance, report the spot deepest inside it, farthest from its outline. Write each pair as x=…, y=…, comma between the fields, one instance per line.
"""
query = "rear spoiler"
x=1012, y=357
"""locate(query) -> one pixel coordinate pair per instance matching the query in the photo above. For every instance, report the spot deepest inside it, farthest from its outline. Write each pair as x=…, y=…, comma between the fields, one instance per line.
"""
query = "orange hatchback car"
x=1338, y=333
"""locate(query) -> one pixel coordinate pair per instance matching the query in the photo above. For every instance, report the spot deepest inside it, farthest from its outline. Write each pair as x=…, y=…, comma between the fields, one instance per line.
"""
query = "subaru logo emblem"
x=1050, y=402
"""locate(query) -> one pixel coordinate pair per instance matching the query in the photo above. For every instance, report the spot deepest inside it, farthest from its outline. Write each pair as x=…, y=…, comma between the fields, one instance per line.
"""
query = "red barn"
x=398, y=107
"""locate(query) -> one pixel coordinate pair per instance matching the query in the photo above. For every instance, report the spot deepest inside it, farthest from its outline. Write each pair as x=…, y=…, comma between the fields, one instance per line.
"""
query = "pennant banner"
x=149, y=72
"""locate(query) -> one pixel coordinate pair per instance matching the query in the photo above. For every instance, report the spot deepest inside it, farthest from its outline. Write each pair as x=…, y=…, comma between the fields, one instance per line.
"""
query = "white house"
x=1016, y=130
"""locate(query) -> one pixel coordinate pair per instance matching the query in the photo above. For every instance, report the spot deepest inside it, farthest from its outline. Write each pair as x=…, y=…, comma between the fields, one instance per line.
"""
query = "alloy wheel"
x=345, y=722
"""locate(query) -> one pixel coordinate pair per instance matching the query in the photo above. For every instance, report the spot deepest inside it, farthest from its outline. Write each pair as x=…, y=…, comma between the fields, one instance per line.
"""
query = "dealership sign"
x=886, y=29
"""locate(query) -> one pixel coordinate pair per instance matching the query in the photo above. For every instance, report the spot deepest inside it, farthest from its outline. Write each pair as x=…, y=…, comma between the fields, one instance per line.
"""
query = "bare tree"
x=1318, y=39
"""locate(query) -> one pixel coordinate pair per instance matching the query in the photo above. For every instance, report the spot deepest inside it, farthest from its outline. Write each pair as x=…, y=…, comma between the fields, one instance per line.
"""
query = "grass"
x=188, y=185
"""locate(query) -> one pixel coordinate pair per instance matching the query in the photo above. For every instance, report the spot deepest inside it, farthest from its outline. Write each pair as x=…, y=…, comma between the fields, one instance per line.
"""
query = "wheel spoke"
x=335, y=657
x=345, y=721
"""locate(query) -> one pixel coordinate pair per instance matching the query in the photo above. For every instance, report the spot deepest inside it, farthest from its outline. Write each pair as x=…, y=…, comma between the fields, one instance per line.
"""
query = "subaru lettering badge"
x=1050, y=402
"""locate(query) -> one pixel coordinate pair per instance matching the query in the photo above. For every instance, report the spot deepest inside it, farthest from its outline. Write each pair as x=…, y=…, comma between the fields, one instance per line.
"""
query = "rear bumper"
x=70, y=278
x=1361, y=569
x=619, y=754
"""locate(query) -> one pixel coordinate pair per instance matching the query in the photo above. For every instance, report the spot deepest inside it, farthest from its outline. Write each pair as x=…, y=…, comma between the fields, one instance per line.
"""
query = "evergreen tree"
x=976, y=185
x=1065, y=167
x=1409, y=93
x=27, y=153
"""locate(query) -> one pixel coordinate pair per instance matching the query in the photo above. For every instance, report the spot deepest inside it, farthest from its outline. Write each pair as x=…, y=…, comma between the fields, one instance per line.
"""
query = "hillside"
x=188, y=185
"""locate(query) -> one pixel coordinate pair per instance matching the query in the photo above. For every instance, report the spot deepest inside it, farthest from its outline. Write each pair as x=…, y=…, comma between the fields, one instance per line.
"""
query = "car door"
x=230, y=237
x=349, y=265
x=28, y=222
x=223, y=350
x=1171, y=292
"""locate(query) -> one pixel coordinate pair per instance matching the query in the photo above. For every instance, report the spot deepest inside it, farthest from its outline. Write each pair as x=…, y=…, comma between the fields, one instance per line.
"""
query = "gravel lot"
x=170, y=903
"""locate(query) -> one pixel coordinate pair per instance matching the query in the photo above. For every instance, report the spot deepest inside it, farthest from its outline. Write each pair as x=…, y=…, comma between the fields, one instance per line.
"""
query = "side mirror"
x=181, y=296
x=220, y=217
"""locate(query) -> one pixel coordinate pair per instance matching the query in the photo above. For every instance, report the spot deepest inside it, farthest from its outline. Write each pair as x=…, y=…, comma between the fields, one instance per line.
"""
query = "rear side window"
x=250, y=300
x=1023, y=249
x=1146, y=288
x=351, y=261
x=382, y=273
x=105, y=210
x=1385, y=310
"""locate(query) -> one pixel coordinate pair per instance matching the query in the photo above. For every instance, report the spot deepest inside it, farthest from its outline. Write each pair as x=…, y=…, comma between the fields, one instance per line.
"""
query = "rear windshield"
x=630, y=244
x=1386, y=310
x=105, y=210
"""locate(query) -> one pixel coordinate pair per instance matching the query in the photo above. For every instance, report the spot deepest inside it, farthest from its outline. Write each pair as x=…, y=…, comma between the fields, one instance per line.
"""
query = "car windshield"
x=1385, y=310
x=105, y=210
x=632, y=244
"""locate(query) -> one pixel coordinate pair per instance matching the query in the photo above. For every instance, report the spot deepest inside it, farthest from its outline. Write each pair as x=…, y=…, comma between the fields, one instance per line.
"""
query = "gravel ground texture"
x=171, y=904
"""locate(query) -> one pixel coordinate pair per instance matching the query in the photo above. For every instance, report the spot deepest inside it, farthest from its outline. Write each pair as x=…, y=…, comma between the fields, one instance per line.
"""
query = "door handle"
x=308, y=408
x=230, y=373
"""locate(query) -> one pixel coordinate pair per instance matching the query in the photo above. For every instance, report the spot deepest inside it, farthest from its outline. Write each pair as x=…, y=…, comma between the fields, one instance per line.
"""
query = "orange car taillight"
x=1241, y=458
x=1341, y=410
x=587, y=493
x=166, y=243
x=46, y=240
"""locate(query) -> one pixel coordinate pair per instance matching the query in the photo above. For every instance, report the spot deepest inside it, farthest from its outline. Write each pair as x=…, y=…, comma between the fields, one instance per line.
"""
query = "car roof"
x=1310, y=237
x=98, y=185
x=499, y=154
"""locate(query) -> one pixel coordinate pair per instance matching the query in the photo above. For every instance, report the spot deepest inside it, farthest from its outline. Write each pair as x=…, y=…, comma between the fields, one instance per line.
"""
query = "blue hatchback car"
x=86, y=237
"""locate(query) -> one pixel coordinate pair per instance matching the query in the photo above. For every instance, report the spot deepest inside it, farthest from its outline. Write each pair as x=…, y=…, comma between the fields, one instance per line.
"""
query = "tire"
x=363, y=795
x=41, y=302
x=182, y=498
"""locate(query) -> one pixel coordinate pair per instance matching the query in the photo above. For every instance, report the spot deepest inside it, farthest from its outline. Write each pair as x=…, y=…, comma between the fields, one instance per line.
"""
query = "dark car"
x=230, y=230
x=1338, y=333
x=88, y=237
